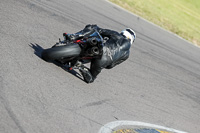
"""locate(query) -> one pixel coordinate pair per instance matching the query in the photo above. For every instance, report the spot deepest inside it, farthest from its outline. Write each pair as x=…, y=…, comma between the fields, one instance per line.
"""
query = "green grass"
x=181, y=17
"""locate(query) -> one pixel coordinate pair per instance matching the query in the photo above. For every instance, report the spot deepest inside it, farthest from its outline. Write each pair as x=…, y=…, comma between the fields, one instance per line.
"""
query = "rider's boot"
x=88, y=78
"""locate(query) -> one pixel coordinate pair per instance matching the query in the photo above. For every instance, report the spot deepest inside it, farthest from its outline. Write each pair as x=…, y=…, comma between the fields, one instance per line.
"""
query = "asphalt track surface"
x=158, y=84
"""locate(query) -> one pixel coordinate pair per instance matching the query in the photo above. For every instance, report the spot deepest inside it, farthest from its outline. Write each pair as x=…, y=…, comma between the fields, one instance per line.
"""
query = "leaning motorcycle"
x=75, y=52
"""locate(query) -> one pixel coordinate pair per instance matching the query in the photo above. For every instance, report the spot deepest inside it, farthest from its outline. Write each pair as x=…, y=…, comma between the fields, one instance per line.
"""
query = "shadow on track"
x=38, y=51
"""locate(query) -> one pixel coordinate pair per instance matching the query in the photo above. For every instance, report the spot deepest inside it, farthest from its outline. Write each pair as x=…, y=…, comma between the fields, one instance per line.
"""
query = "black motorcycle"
x=75, y=53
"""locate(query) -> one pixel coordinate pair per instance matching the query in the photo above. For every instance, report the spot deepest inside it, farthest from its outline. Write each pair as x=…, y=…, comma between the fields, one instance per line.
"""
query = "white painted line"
x=108, y=128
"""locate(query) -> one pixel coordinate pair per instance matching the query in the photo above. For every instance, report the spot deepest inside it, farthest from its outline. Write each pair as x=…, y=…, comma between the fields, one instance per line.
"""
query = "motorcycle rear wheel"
x=61, y=52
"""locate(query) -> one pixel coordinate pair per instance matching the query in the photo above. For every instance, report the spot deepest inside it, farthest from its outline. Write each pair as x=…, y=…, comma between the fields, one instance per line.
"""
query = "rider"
x=115, y=50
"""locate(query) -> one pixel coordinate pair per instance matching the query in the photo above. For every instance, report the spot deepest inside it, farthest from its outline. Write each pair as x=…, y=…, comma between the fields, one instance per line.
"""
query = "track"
x=158, y=84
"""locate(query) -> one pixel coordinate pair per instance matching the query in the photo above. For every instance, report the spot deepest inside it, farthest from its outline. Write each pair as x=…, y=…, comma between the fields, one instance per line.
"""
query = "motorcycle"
x=75, y=53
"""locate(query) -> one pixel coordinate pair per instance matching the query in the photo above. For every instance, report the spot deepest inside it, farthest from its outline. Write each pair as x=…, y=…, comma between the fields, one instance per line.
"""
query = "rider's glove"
x=65, y=36
x=69, y=37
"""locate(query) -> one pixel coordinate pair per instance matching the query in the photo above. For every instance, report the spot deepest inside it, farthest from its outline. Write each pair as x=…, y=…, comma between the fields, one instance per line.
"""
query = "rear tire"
x=61, y=52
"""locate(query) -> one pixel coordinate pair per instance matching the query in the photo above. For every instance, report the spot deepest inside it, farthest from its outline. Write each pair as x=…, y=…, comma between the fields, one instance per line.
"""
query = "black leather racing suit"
x=116, y=50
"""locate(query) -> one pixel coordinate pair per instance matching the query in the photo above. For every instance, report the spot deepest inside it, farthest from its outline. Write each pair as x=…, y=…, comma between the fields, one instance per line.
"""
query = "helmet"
x=129, y=34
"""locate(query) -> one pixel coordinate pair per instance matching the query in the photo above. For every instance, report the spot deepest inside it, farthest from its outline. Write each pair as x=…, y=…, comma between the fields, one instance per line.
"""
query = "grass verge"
x=181, y=17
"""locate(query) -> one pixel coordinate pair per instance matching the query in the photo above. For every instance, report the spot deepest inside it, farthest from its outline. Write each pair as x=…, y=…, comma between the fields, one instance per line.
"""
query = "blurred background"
x=178, y=16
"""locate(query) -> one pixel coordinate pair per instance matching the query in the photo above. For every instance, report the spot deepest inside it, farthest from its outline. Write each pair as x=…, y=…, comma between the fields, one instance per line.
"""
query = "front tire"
x=61, y=52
